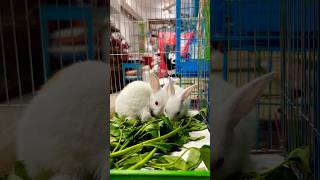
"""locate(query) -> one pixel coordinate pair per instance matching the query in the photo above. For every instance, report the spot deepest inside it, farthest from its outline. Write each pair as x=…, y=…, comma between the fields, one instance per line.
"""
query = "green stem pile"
x=135, y=144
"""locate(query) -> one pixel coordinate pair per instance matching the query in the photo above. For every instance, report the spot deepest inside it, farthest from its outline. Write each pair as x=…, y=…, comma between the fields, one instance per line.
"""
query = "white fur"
x=178, y=101
x=161, y=97
x=140, y=99
x=222, y=90
x=164, y=81
x=63, y=128
x=133, y=100
x=232, y=144
x=233, y=134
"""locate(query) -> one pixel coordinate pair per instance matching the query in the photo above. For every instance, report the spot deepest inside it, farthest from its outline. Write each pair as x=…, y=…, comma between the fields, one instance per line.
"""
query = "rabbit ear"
x=154, y=82
x=187, y=92
x=170, y=89
x=166, y=85
x=243, y=100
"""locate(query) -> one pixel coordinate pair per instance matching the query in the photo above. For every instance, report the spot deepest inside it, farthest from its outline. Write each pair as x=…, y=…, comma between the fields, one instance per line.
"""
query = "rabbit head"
x=230, y=138
x=178, y=101
x=158, y=97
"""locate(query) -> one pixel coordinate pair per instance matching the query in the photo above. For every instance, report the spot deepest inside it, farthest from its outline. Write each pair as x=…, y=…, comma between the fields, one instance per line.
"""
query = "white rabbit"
x=231, y=145
x=232, y=134
x=178, y=101
x=63, y=128
x=140, y=99
x=158, y=98
x=222, y=90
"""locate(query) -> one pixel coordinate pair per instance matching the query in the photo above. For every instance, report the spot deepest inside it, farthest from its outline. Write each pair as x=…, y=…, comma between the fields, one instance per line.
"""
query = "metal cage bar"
x=300, y=76
x=24, y=26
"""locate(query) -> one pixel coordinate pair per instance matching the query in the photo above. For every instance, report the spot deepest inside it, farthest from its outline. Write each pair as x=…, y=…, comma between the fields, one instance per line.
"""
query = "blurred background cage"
x=252, y=37
x=246, y=45
x=165, y=37
x=40, y=37
x=300, y=76
x=37, y=38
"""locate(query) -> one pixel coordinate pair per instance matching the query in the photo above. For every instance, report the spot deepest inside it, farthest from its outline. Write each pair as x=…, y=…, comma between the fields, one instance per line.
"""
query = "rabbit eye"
x=156, y=103
x=178, y=113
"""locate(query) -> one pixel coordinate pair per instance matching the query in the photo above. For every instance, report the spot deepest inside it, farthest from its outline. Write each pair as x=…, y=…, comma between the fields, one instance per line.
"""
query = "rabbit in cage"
x=234, y=127
x=63, y=128
x=178, y=102
x=142, y=100
x=233, y=134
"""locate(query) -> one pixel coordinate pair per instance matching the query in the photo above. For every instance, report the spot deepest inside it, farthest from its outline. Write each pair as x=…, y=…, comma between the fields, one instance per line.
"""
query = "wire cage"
x=300, y=75
x=38, y=40
x=168, y=38
x=250, y=38
x=246, y=45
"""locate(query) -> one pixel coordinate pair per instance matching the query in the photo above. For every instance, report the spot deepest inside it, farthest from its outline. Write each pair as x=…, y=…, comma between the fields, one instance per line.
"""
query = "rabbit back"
x=133, y=99
x=63, y=128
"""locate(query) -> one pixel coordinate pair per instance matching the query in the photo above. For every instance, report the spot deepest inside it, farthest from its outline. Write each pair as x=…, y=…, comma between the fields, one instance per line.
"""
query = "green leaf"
x=127, y=134
x=20, y=170
x=113, y=139
x=205, y=155
x=161, y=124
x=44, y=175
x=137, y=132
x=281, y=173
x=302, y=156
x=164, y=147
x=194, y=158
x=114, y=130
x=168, y=123
x=197, y=125
x=133, y=160
x=152, y=129
x=4, y=177
x=196, y=138
x=179, y=164
x=132, y=122
x=180, y=140
x=13, y=177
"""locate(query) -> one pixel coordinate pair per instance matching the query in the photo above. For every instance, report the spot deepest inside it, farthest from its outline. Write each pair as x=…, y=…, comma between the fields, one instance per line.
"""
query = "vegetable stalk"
x=124, y=151
x=145, y=160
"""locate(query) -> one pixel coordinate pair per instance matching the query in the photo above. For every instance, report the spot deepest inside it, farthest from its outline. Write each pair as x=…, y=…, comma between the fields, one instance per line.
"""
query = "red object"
x=147, y=60
x=169, y=38
x=187, y=38
x=134, y=71
x=164, y=38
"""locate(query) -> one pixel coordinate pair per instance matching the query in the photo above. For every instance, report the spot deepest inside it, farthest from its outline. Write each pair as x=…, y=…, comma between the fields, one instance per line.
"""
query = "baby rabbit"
x=178, y=101
x=63, y=129
x=142, y=100
x=231, y=142
x=232, y=134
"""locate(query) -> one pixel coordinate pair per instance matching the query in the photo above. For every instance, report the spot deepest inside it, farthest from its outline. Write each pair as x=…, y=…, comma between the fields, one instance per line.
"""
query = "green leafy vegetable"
x=297, y=163
x=196, y=138
x=20, y=170
x=194, y=158
x=205, y=155
x=135, y=144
